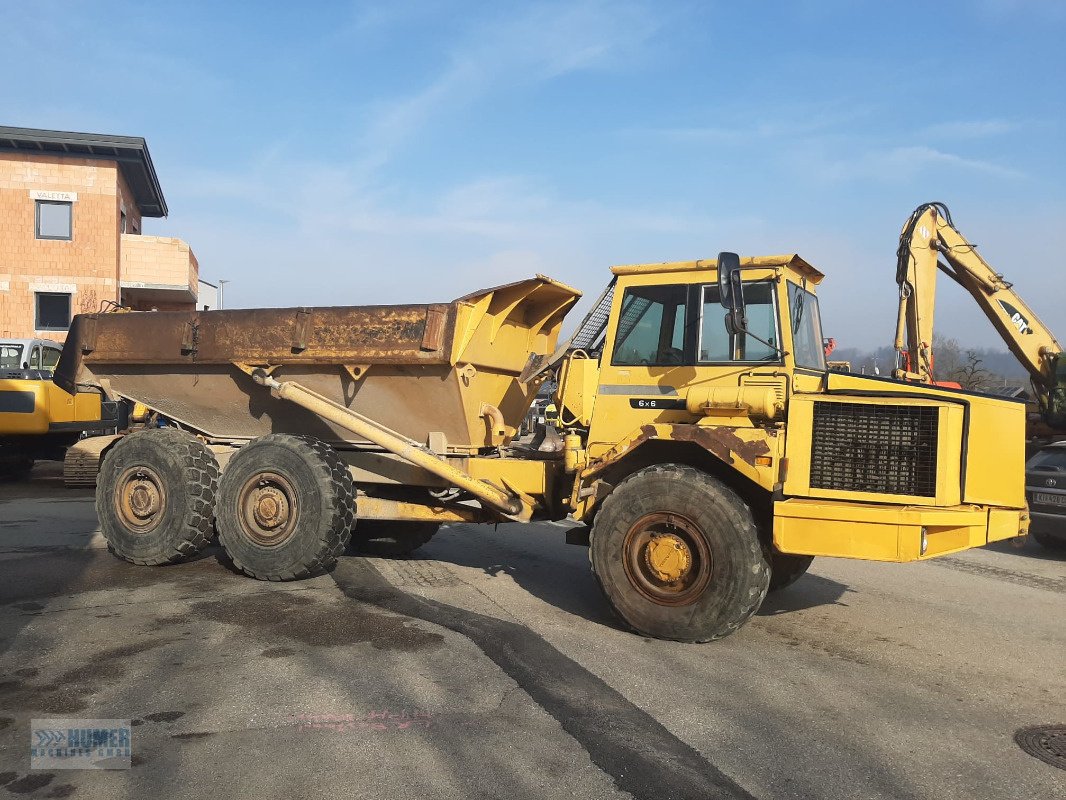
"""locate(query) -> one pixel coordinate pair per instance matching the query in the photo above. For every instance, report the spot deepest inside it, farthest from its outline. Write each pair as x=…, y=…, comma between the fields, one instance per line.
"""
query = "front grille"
x=860, y=447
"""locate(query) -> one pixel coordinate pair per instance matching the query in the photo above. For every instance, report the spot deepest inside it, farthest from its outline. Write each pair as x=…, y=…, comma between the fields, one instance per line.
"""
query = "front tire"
x=286, y=505
x=155, y=495
x=678, y=556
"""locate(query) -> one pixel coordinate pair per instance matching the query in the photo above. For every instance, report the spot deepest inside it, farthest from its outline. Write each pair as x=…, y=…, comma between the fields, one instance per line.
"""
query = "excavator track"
x=82, y=461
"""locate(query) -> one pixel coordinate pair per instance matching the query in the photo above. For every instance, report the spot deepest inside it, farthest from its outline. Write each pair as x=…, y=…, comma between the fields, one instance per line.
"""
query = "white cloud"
x=896, y=165
x=543, y=42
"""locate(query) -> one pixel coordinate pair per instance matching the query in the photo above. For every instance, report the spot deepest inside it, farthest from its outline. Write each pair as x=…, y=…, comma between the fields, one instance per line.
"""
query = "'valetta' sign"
x=60, y=197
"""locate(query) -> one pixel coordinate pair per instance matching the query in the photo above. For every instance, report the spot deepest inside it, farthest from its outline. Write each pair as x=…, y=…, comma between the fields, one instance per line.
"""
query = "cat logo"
x=1017, y=319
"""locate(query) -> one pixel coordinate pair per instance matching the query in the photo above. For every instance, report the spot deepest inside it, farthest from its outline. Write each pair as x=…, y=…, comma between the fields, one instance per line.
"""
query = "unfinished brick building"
x=71, y=206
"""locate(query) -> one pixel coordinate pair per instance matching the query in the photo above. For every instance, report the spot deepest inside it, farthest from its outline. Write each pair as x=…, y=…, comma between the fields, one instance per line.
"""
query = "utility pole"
x=221, y=290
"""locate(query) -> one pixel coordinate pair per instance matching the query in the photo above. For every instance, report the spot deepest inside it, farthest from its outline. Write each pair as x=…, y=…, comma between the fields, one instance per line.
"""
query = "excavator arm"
x=931, y=242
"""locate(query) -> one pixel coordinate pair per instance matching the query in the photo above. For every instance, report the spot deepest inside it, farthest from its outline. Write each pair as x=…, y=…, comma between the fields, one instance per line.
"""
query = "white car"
x=29, y=358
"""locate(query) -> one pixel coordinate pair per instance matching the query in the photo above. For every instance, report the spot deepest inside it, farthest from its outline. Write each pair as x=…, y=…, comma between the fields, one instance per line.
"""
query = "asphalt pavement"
x=490, y=666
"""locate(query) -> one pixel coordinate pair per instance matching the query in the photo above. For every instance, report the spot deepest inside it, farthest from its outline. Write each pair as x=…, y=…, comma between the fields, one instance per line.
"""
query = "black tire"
x=695, y=517
x=391, y=539
x=15, y=467
x=1046, y=540
x=285, y=509
x=155, y=496
x=786, y=569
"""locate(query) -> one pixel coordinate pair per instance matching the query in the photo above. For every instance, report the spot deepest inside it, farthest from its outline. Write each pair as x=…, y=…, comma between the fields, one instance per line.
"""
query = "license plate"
x=1049, y=499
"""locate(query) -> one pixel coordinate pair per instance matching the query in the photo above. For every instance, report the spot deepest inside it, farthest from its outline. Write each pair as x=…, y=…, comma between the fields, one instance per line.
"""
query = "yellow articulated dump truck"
x=703, y=443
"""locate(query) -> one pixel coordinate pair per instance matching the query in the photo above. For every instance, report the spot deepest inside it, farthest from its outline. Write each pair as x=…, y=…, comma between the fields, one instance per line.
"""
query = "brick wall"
x=86, y=266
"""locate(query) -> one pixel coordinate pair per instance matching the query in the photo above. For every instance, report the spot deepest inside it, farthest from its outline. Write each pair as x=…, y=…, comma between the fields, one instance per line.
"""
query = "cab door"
x=645, y=363
x=667, y=337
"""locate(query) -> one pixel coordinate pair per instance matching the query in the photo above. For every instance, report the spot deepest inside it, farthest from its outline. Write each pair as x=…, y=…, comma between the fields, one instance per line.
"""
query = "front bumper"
x=889, y=532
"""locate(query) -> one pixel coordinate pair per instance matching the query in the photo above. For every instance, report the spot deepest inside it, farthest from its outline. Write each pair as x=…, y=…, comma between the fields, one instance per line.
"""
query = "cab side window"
x=50, y=358
x=35, y=357
x=716, y=343
x=651, y=327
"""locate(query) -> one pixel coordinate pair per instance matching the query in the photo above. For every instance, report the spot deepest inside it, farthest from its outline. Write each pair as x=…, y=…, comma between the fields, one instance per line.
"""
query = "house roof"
x=131, y=153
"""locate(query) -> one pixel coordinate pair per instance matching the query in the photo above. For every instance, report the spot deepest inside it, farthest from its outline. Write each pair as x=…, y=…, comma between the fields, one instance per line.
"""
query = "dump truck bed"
x=442, y=368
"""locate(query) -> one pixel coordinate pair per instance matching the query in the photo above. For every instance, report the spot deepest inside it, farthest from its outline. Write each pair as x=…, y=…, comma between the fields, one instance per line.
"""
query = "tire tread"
x=733, y=507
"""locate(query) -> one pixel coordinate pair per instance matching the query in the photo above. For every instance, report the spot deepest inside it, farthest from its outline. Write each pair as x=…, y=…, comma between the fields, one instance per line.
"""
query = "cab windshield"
x=806, y=328
x=10, y=356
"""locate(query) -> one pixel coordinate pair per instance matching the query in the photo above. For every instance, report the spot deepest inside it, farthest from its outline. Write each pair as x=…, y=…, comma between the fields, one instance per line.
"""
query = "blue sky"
x=346, y=153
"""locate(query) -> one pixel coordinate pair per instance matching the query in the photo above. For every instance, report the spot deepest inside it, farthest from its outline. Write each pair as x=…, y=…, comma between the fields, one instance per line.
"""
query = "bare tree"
x=947, y=358
x=971, y=374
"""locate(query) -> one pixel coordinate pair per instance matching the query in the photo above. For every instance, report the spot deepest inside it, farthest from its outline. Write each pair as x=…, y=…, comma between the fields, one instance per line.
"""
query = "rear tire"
x=392, y=539
x=155, y=495
x=286, y=505
x=786, y=569
x=678, y=556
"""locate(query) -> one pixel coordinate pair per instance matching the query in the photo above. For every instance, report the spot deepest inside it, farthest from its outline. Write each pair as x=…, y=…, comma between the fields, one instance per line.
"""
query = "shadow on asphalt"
x=810, y=591
x=559, y=575
x=1031, y=549
x=641, y=756
x=37, y=575
x=554, y=572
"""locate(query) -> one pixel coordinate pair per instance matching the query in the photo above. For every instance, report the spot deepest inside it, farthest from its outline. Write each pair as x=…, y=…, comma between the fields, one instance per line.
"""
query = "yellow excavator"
x=39, y=421
x=929, y=243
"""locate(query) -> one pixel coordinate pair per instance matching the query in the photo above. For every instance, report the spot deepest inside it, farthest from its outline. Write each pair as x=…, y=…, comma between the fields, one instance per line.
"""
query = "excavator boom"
x=930, y=242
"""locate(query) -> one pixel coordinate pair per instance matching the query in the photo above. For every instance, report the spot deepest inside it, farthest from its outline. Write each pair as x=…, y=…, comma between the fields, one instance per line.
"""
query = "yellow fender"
x=752, y=452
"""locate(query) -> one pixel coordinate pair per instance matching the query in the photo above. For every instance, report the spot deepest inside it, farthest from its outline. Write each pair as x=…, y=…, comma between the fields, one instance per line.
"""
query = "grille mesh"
x=859, y=447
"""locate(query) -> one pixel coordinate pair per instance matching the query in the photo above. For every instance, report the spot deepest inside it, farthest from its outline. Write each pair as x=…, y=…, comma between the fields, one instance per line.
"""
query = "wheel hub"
x=267, y=508
x=140, y=499
x=271, y=508
x=667, y=559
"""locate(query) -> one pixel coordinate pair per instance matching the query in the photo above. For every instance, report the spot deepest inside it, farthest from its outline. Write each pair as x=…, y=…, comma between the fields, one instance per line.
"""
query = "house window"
x=53, y=311
x=54, y=219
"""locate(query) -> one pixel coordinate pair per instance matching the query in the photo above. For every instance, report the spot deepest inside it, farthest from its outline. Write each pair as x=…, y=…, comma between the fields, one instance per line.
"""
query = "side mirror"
x=731, y=292
x=727, y=264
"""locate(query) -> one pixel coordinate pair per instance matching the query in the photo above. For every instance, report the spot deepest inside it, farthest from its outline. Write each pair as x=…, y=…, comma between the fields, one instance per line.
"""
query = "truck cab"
x=831, y=463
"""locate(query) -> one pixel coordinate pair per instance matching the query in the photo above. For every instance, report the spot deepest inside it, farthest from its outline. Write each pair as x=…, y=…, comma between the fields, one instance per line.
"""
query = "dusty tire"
x=1049, y=542
x=786, y=569
x=285, y=509
x=155, y=496
x=677, y=554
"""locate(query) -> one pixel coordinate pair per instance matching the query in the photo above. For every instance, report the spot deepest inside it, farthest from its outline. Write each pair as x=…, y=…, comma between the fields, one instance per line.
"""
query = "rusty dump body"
x=447, y=369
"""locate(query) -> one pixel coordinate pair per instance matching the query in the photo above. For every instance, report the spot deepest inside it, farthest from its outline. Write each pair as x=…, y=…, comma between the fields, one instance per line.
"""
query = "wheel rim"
x=267, y=509
x=140, y=499
x=667, y=559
